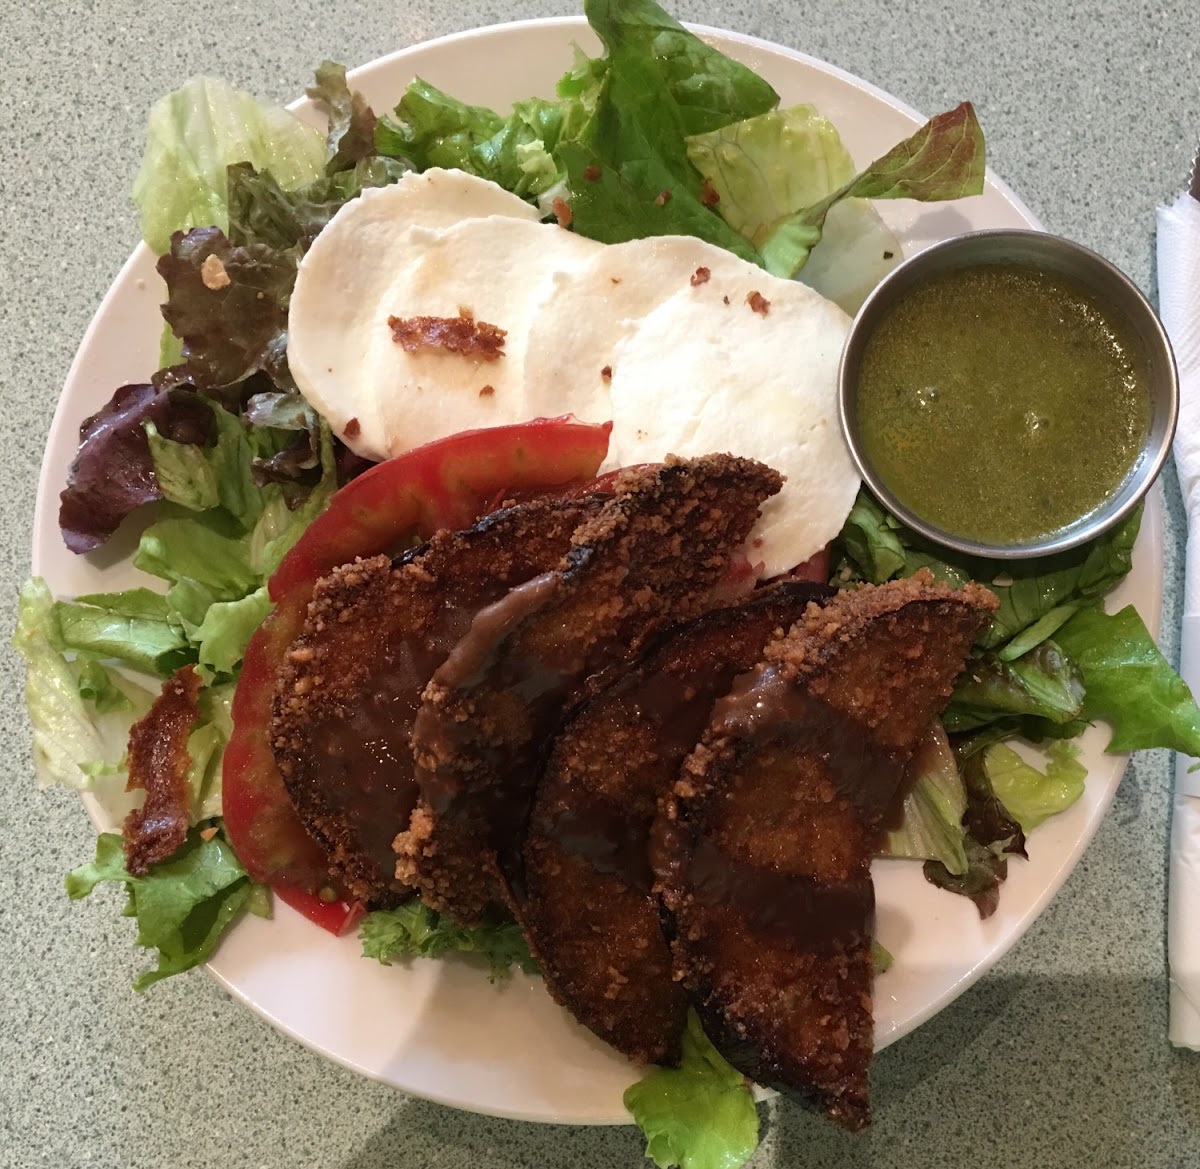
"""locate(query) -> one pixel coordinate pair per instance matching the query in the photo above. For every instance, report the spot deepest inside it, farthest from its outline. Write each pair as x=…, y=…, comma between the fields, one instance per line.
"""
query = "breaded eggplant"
x=351, y=683
x=762, y=849
x=655, y=553
x=587, y=911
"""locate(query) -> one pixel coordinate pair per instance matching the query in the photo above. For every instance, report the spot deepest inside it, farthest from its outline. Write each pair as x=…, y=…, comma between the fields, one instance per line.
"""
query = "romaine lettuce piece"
x=767, y=168
x=944, y=159
x=222, y=636
x=197, y=131
x=700, y=1115
x=72, y=744
x=109, y=630
x=96, y=686
x=931, y=825
x=182, y=905
x=206, y=747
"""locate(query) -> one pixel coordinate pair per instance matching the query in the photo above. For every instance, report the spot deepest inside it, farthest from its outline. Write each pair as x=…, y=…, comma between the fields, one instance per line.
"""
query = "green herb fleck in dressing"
x=1000, y=403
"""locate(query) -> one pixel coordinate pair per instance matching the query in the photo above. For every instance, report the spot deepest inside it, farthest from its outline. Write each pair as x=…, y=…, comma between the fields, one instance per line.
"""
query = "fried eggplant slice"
x=351, y=683
x=762, y=849
x=587, y=910
x=655, y=553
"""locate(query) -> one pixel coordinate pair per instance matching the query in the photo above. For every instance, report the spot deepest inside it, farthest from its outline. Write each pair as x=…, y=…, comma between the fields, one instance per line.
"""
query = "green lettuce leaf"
x=182, y=905
x=518, y=151
x=262, y=212
x=875, y=546
x=1043, y=682
x=351, y=134
x=96, y=686
x=931, y=824
x=699, y=1115
x=1028, y=794
x=74, y=741
x=226, y=630
x=770, y=167
x=195, y=132
x=1129, y=683
x=870, y=539
x=206, y=749
x=156, y=645
x=415, y=931
x=221, y=474
x=206, y=548
x=944, y=159
x=660, y=85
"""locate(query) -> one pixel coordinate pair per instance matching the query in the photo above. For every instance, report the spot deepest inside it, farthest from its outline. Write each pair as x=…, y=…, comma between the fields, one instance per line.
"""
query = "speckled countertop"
x=1057, y=1058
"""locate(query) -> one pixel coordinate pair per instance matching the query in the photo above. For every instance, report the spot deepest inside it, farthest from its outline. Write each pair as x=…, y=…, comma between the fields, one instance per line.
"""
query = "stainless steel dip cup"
x=1043, y=252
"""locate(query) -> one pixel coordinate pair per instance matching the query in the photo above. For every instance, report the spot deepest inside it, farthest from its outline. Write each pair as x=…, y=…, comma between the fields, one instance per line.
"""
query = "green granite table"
x=1057, y=1058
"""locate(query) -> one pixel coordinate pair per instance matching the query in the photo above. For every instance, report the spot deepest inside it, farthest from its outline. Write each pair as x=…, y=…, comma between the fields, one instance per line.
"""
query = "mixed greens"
x=661, y=135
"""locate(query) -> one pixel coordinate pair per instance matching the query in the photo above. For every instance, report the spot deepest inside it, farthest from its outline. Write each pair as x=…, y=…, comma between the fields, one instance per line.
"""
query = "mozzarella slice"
x=705, y=372
x=341, y=298
x=592, y=310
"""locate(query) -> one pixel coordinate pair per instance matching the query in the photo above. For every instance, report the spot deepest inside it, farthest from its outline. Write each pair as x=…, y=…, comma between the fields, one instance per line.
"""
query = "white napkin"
x=1179, y=306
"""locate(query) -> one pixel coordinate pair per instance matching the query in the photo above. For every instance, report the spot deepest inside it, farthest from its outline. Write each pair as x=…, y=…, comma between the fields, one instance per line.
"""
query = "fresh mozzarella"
x=346, y=289
x=593, y=309
x=685, y=347
x=706, y=372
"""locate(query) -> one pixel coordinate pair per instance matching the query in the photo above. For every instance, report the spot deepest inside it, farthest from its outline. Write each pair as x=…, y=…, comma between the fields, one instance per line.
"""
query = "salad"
x=239, y=467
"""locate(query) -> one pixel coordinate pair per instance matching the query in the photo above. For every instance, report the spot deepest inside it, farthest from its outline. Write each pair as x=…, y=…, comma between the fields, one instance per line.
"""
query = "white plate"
x=439, y=1029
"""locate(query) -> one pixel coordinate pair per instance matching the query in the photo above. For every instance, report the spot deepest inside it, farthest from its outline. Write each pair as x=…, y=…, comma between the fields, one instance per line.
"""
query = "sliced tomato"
x=338, y=915
x=445, y=484
x=815, y=568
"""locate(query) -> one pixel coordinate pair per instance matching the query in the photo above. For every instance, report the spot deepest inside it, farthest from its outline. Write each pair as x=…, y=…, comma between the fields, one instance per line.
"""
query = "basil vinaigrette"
x=1001, y=403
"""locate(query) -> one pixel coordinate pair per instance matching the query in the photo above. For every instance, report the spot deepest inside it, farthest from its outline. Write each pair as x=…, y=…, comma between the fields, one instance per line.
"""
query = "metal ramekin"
x=1048, y=253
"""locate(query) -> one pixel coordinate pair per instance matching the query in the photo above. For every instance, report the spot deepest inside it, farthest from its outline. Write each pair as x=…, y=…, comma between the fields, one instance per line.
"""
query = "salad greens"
x=1048, y=665
x=661, y=135
x=194, y=134
x=416, y=931
x=183, y=905
x=700, y=1115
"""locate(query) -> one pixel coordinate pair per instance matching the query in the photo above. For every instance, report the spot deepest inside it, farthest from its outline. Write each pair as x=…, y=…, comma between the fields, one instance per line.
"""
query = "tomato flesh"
x=445, y=484
x=338, y=916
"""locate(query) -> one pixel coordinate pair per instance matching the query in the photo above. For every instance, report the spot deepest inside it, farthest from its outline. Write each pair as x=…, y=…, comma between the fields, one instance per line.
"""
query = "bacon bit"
x=213, y=274
x=206, y=834
x=708, y=196
x=158, y=765
x=562, y=212
x=606, y=373
x=663, y=197
x=352, y=429
x=461, y=334
x=759, y=303
x=487, y=391
x=592, y=173
x=700, y=276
